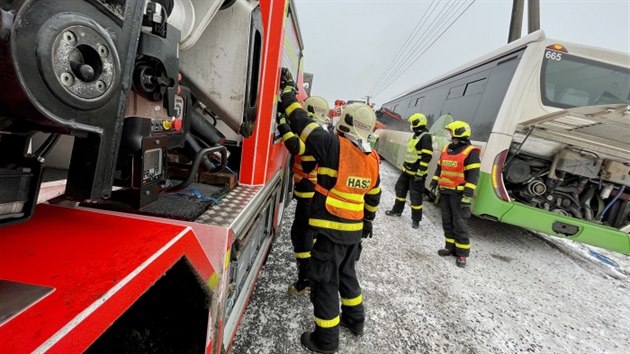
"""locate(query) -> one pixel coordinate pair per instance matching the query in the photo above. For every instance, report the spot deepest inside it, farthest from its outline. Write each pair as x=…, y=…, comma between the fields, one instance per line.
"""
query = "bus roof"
x=611, y=56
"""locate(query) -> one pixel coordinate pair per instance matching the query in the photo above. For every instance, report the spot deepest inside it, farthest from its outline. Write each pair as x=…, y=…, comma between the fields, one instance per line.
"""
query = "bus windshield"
x=569, y=81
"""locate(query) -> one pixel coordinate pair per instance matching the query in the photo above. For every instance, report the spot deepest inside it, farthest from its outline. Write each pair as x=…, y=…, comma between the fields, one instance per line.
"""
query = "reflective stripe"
x=326, y=171
x=472, y=166
x=452, y=173
x=349, y=196
x=425, y=164
x=401, y=199
x=416, y=207
x=371, y=209
x=373, y=191
x=307, y=195
x=450, y=240
x=302, y=148
x=302, y=255
x=427, y=151
x=344, y=205
x=292, y=107
x=307, y=158
x=327, y=224
x=356, y=301
x=327, y=323
x=287, y=136
x=462, y=246
x=435, y=178
x=470, y=185
x=308, y=130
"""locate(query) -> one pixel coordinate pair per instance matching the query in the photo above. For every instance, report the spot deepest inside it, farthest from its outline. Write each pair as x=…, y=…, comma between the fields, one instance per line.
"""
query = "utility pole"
x=533, y=15
x=367, y=98
x=516, y=22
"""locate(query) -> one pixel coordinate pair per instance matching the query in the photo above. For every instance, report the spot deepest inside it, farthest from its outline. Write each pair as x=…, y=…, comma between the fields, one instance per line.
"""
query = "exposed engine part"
x=605, y=192
x=576, y=163
x=616, y=172
x=536, y=187
x=517, y=171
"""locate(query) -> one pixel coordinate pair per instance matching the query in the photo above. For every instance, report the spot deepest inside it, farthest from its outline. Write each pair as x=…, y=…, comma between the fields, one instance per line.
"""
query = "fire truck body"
x=115, y=264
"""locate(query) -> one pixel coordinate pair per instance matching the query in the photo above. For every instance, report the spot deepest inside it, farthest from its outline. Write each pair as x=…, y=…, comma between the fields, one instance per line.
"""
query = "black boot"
x=460, y=262
x=393, y=213
x=309, y=343
x=415, y=224
x=443, y=252
x=355, y=327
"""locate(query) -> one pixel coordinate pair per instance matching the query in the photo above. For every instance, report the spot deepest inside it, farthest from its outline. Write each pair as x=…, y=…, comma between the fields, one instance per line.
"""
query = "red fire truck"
x=142, y=180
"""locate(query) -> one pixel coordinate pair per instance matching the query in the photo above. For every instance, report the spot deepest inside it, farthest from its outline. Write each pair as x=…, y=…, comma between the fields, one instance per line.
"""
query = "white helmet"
x=318, y=108
x=357, y=122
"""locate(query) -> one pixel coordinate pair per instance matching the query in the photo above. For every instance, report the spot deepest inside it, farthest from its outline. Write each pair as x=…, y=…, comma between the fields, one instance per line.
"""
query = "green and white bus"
x=553, y=122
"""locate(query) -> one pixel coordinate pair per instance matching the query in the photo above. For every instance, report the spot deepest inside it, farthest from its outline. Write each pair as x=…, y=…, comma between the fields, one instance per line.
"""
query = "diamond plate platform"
x=225, y=213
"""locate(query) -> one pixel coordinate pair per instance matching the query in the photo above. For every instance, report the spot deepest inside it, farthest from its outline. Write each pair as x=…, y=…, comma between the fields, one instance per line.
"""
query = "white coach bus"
x=553, y=122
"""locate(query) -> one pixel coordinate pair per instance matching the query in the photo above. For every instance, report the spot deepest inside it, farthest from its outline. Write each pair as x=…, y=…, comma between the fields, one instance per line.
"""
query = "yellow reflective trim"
x=302, y=148
x=349, y=196
x=307, y=158
x=452, y=173
x=427, y=151
x=302, y=255
x=371, y=209
x=307, y=195
x=462, y=246
x=227, y=259
x=287, y=136
x=355, y=301
x=327, y=171
x=292, y=107
x=344, y=205
x=373, y=191
x=308, y=130
x=416, y=207
x=435, y=178
x=401, y=199
x=425, y=164
x=450, y=240
x=327, y=323
x=327, y=224
x=472, y=166
x=470, y=185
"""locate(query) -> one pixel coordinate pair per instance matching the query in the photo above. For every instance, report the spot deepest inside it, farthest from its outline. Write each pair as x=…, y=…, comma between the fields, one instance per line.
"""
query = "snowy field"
x=520, y=293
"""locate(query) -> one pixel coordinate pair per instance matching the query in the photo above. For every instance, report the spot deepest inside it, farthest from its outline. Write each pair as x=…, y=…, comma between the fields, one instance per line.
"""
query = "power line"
x=404, y=47
x=430, y=45
x=423, y=40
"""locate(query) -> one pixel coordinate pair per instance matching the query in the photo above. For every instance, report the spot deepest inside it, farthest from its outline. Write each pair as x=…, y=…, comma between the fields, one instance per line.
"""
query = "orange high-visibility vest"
x=357, y=174
x=452, y=168
x=299, y=173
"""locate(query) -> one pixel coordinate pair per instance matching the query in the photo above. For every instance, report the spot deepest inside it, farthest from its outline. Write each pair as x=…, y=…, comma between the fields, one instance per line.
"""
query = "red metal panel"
x=98, y=264
x=256, y=149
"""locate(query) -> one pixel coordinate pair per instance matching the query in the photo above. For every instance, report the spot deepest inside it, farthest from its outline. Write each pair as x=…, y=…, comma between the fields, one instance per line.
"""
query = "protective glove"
x=286, y=81
x=367, y=229
x=281, y=118
x=433, y=184
x=464, y=205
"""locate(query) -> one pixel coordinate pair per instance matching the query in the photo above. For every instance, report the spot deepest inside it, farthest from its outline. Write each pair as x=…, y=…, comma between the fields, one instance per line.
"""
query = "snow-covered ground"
x=521, y=292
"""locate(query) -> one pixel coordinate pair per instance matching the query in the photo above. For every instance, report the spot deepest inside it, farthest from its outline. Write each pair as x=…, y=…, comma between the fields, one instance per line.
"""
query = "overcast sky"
x=349, y=43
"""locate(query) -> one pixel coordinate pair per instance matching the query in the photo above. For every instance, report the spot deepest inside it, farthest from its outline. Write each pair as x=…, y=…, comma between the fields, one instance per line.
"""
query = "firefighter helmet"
x=417, y=120
x=357, y=122
x=318, y=109
x=459, y=129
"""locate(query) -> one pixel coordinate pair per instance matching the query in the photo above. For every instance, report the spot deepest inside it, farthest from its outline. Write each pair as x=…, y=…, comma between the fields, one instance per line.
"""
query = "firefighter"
x=414, y=170
x=304, y=177
x=344, y=205
x=456, y=177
